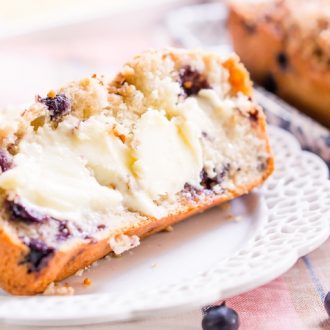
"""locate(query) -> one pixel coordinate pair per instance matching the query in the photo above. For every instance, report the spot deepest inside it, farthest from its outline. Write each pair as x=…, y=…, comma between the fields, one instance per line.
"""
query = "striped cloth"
x=294, y=301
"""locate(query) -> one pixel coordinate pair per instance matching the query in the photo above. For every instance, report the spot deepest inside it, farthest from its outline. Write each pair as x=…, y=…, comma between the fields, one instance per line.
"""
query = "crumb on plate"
x=225, y=206
x=87, y=281
x=56, y=289
x=168, y=229
x=80, y=272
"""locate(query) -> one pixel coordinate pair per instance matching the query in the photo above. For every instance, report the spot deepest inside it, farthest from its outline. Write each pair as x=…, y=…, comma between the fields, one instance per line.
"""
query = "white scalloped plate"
x=207, y=257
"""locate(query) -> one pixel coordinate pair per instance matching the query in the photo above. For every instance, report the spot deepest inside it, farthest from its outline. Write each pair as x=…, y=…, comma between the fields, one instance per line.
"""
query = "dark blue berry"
x=38, y=256
x=220, y=318
x=285, y=123
x=192, y=81
x=63, y=230
x=5, y=161
x=327, y=303
x=270, y=83
x=58, y=106
x=282, y=60
x=327, y=140
x=20, y=212
x=254, y=115
x=208, y=183
x=101, y=226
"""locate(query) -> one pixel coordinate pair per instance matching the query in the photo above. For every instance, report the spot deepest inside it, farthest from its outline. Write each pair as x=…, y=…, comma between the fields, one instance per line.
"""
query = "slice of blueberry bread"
x=285, y=44
x=97, y=165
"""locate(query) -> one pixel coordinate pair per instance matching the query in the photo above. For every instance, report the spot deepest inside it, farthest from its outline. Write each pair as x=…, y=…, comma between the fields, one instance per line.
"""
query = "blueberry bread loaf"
x=97, y=165
x=285, y=44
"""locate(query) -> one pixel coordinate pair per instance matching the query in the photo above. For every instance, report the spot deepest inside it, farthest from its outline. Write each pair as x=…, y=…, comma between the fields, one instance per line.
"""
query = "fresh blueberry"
x=327, y=303
x=220, y=318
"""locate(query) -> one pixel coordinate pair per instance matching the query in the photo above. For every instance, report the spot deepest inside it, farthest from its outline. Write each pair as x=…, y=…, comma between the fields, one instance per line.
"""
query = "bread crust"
x=259, y=44
x=14, y=276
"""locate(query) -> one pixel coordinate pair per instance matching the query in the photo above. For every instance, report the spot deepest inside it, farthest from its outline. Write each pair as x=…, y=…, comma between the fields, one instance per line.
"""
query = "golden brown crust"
x=14, y=276
x=261, y=38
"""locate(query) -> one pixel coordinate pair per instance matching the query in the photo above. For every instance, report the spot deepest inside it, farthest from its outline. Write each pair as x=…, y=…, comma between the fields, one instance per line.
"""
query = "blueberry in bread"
x=97, y=165
x=285, y=45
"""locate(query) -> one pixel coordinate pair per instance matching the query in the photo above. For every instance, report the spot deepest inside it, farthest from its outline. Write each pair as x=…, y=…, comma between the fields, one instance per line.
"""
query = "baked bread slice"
x=96, y=166
x=285, y=45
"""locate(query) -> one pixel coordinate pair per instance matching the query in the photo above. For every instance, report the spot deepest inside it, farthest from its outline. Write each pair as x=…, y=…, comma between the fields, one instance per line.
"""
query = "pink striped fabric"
x=293, y=301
